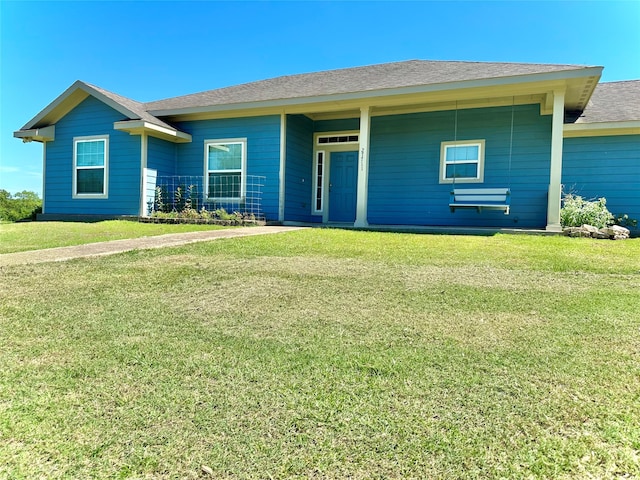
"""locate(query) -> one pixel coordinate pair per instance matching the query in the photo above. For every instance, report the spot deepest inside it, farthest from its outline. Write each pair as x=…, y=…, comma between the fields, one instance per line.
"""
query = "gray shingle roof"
x=360, y=79
x=137, y=108
x=613, y=102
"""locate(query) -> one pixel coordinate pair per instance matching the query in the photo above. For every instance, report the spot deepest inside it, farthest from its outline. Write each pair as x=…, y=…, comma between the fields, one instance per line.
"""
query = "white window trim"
x=74, y=182
x=462, y=143
x=242, y=171
x=319, y=183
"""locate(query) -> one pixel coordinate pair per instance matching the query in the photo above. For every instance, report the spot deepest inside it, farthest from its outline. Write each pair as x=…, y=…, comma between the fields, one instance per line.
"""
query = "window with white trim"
x=340, y=138
x=90, y=166
x=462, y=162
x=319, y=182
x=225, y=163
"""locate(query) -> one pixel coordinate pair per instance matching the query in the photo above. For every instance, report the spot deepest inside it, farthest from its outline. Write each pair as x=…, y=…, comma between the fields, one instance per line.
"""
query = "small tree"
x=21, y=206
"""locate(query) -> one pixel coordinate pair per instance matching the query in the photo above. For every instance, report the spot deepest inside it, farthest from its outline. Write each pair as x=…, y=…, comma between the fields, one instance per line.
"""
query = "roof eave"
x=68, y=100
x=138, y=127
x=588, y=75
x=46, y=134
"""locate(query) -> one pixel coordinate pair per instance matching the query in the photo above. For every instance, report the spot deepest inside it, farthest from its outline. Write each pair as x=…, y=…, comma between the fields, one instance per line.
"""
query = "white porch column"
x=44, y=177
x=283, y=165
x=555, y=177
x=144, y=210
x=363, y=169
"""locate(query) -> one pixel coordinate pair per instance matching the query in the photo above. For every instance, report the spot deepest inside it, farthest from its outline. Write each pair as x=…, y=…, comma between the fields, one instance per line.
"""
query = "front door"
x=343, y=184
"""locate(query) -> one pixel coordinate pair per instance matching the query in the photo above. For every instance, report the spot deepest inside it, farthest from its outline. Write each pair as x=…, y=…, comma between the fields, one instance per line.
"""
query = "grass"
x=25, y=236
x=326, y=354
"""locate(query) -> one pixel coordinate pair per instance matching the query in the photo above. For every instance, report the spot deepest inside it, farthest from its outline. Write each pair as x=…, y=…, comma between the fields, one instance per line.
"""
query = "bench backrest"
x=480, y=195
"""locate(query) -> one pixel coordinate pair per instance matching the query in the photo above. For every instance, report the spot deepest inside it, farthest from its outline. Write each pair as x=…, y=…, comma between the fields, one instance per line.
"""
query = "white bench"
x=481, y=199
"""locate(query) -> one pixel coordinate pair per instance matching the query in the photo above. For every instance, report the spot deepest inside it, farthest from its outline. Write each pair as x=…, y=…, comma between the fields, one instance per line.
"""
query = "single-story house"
x=376, y=145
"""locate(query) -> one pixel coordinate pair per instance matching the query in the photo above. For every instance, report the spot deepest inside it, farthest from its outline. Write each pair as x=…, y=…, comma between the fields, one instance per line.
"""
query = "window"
x=462, y=162
x=346, y=138
x=225, y=164
x=319, y=178
x=90, y=167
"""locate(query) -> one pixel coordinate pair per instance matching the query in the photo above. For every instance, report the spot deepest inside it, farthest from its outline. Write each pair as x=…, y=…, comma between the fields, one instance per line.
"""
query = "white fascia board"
x=46, y=134
x=561, y=76
x=386, y=105
x=601, y=129
x=65, y=102
x=137, y=127
x=71, y=98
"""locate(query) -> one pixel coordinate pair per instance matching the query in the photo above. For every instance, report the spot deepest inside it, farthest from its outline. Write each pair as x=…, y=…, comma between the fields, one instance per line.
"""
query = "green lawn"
x=21, y=237
x=326, y=354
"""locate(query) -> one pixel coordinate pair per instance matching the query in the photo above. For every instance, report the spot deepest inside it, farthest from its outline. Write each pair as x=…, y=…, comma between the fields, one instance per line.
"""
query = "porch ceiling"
x=577, y=93
x=414, y=107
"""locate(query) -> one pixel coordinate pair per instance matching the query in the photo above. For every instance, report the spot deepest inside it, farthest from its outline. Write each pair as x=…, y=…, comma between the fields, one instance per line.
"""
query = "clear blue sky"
x=152, y=50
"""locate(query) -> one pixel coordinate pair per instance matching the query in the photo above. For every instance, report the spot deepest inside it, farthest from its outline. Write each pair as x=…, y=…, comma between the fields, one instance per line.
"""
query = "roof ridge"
x=619, y=81
x=492, y=62
x=348, y=79
x=109, y=92
x=362, y=67
x=136, y=107
x=286, y=76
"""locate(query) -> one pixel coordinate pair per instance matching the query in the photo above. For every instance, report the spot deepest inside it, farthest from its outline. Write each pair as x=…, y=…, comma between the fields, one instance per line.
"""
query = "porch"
x=431, y=230
x=396, y=175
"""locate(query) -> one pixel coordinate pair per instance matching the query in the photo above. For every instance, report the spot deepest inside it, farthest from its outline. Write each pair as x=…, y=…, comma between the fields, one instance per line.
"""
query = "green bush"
x=219, y=216
x=577, y=211
x=624, y=221
x=21, y=206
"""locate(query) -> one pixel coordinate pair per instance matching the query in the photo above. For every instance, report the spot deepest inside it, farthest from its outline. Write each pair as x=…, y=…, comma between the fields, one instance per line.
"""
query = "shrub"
x=625, y=221
x=159, y=204
x=577, y=211
x=189, y=212
x=183, y=205
x=222, y=214
x=219, y=216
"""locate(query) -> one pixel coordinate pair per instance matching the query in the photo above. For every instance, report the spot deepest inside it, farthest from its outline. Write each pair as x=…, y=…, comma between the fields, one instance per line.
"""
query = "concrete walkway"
x=61, y=254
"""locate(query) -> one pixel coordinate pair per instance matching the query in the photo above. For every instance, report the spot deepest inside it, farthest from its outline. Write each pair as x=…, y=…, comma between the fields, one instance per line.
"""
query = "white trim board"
x=601, y=129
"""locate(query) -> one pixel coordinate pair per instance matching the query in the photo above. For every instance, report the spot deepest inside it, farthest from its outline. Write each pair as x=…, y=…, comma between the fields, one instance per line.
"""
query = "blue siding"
x=92, y=117
x=263, y=150
x=299, y=170
x=404, y=166
x=299, y=176
x=336, y=125
x=404, y=183
x=161, y=156
x=609, y=167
